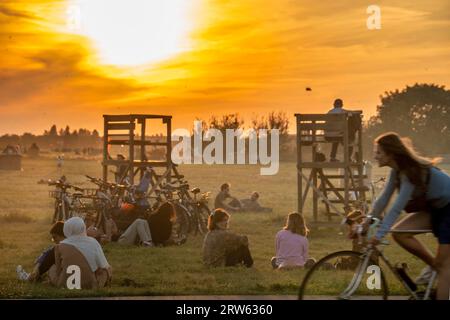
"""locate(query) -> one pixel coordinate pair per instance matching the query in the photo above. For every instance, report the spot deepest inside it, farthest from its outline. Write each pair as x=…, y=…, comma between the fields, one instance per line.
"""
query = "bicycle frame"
x=354, y=284
x=371, y=250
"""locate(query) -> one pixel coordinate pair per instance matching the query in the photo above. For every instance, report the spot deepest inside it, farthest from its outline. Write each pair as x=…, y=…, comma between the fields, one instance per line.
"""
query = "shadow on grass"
x=15, y=217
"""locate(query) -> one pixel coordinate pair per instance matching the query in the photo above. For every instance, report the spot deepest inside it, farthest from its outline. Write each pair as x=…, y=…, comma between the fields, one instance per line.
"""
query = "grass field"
x=26, y=210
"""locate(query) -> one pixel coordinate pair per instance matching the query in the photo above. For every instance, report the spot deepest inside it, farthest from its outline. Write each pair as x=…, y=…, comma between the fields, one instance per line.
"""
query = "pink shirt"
x=291, y=249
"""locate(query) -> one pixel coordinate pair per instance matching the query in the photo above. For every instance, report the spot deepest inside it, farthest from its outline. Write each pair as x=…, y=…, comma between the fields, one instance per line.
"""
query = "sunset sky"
x=69, y=62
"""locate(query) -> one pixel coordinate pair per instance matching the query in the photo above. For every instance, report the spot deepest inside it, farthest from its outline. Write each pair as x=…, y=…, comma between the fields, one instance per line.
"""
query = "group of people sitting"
x=222, y=247
x=79, y=242
x=73, y=247
x=154, y=229
x=225, y=200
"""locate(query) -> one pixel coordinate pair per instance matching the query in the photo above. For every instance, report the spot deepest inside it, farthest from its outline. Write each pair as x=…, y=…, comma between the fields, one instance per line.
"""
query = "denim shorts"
x=440, y=219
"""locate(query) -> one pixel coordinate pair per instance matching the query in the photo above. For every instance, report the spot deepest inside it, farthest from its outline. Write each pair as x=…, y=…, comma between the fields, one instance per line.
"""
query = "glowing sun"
x=134, y=32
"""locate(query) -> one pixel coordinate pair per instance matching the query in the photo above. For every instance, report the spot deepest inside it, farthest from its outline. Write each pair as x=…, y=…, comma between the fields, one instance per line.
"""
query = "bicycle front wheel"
x=203, y=213
x=344, y=275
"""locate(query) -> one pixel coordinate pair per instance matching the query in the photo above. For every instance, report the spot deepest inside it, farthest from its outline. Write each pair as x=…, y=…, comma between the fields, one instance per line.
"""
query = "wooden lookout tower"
x=339, y=183
x=131, y=131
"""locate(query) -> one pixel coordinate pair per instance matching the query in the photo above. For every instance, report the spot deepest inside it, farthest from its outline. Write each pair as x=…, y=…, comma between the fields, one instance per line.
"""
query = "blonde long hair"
x=407, y=159
x=296, y=224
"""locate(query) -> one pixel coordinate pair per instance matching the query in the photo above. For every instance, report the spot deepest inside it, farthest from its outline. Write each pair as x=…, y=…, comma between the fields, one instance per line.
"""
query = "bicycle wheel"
x=203, y=213
x=190, y=212
x=57, y=214
x=180, y=228
x=344, y=275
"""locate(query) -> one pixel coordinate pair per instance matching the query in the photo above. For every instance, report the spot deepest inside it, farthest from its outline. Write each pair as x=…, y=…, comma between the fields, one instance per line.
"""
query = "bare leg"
x=442, y=265
x=417, y=223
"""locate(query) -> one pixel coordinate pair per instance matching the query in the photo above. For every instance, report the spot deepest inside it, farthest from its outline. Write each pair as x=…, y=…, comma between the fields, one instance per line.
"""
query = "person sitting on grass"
x=291, y=245
x=222, y=247
x=102, y=236
x=137, y=233
x=253, y=205
x=161, y=222
x=47, y=258
x=233, y=206
x=83, y=252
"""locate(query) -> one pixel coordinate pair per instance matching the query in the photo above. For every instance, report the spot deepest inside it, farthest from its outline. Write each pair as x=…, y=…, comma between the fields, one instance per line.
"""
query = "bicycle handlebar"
x=63, y=185
x=110, y=185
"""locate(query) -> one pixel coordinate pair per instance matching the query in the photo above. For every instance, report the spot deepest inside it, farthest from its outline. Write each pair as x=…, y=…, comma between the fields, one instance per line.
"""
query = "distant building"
x=10, y=158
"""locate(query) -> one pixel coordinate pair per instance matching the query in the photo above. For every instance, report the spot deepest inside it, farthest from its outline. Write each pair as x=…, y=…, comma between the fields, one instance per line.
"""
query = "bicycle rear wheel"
x=344, y=275
x=57, y=214
x=180, y=228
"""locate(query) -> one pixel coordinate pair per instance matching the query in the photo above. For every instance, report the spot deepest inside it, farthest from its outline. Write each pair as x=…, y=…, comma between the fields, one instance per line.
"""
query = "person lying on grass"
x=222, y=247
x=291, y=245
x=47, y=258
x=253, y=205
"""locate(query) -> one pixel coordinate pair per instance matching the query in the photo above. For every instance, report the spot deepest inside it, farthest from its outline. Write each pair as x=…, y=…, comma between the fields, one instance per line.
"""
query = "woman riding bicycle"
x=424, y=190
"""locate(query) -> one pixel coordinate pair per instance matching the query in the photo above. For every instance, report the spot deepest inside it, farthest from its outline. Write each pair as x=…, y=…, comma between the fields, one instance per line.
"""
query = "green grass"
x=26, y=210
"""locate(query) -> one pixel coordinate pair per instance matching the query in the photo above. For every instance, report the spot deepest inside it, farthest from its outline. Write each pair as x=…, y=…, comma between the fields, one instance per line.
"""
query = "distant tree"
x=227, y=121
x=258, y=122
x=51, y=139
x=53, y=131
x=67, y=131
x=421, y=112
x=278, y=120
x=275, y=120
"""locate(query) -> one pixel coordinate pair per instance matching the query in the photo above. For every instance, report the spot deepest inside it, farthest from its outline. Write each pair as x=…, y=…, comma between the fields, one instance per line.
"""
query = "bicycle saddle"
x=195, y=190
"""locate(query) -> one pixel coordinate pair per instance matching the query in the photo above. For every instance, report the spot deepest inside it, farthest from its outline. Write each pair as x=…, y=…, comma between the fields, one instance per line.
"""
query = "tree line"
x=53, y=139
x=420, y=112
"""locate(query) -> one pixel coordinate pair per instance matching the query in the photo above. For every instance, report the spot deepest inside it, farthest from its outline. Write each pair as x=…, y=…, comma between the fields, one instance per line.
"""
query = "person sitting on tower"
x=336, y=136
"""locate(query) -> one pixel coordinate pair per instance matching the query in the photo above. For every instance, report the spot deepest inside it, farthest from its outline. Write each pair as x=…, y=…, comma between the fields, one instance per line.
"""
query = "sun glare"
x=134, y=32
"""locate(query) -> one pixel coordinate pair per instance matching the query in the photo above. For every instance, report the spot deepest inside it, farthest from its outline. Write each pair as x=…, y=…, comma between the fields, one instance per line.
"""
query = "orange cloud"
x=247, y=56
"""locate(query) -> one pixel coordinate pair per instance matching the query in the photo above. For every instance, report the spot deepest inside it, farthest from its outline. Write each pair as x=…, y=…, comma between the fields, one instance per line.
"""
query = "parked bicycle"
x=196, y=205
x=64, y=201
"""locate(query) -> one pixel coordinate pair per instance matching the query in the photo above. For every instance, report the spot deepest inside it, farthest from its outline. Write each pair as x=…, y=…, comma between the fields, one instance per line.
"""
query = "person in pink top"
x=291, y=244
